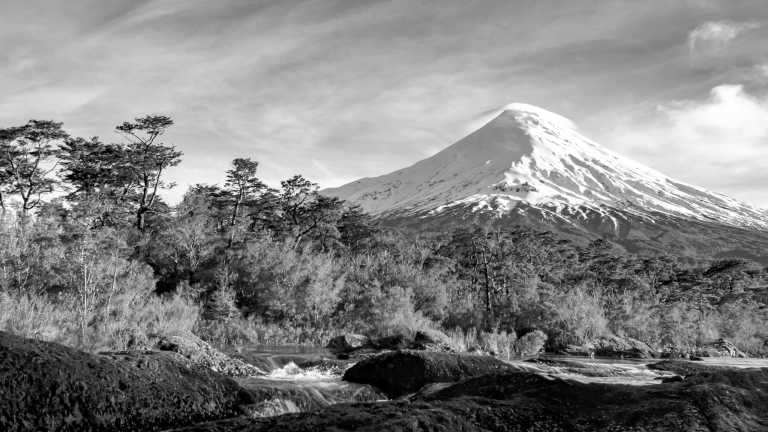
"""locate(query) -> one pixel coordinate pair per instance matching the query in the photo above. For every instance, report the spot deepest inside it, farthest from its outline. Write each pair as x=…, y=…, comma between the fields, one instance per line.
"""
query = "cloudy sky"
x=338, y=90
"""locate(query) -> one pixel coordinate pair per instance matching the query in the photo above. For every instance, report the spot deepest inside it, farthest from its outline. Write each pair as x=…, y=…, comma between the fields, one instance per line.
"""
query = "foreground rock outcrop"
x=47, y=386
x=712, y=400
x=399, y=373
x=199, y=353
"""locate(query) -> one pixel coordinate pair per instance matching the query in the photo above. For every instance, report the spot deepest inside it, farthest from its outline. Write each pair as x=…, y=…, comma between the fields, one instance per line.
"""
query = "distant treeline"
x=104, y=263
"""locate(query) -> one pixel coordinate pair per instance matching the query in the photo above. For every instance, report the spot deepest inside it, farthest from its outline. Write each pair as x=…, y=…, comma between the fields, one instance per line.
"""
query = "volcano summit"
x=529, y=166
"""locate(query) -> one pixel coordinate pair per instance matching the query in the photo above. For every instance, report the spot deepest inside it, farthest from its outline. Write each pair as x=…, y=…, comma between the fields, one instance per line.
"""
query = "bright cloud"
x=730, y=115
x=713, y=35
x=719, y=142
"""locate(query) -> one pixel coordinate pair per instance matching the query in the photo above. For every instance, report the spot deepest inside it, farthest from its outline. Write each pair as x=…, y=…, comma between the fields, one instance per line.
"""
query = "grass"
x=128, y=323
x=505, y=345
x=241, y=331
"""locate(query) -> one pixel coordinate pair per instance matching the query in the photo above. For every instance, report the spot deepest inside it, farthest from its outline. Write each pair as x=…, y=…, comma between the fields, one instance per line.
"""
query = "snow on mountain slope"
x=531, y=156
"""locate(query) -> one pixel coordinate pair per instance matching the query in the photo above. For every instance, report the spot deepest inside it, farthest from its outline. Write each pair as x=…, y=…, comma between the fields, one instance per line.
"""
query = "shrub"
x=530, y=343
x=38, y=317
x=127, y=321
x=242, y=331
x=579, y=316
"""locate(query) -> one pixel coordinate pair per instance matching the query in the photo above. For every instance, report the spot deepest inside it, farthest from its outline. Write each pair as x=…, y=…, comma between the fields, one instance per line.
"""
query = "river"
x=288, y=388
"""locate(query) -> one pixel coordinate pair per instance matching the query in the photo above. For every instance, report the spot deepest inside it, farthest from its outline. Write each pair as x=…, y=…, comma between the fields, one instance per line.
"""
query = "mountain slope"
x=534, y=167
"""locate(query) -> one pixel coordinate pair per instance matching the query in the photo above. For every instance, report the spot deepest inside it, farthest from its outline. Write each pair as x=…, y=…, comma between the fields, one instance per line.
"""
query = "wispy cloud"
x=715, y=35
x=339, y=90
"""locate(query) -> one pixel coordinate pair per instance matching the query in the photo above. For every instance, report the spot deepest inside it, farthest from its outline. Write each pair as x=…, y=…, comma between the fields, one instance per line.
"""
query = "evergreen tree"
x=27, y=161
x=144, y=161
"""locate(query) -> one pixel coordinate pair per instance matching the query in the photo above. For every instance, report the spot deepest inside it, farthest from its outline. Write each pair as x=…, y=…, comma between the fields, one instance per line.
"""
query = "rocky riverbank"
x=45, y=386
x=706, y=399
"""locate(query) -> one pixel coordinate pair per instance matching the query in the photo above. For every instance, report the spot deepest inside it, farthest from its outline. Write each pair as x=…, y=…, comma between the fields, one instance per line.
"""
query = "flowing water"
x=299, y=379
x=288, y=388
x=600, y=370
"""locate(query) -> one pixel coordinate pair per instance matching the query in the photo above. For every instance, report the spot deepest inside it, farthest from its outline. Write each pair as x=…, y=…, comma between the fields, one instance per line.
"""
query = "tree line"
x=93, y=256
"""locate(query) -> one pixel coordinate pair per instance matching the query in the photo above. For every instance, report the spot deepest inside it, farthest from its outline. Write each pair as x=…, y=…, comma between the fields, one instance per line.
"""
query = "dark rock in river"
x=720, y=348
x=346, y=343
x=717, y=348
x=613, y=346
x=47, y=386
x=359, y=347
x=716, y=400
x=682, y=367
x=334, y=366
x=402, y=372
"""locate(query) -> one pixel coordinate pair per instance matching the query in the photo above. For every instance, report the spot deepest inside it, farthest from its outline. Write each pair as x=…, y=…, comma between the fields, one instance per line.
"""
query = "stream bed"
x=300, y=379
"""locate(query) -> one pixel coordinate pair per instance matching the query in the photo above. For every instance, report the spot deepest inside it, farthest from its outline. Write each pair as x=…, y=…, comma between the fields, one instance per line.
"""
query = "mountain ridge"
x=529, y=160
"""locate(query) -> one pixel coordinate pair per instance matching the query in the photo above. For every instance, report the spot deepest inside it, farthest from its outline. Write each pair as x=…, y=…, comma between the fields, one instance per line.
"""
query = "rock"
x=625, y=347
x=392, y=342
x=612, y=346
x=358, y=347
x=674, y=378
x=717, y=348
x=401, y=372
x=333, y=366
x=47, y=386
x=585, y=350
x=720, y=400
x=682, y=367
x=720, y=348
x=431, y=340
x=199, y=353
x=346, y=343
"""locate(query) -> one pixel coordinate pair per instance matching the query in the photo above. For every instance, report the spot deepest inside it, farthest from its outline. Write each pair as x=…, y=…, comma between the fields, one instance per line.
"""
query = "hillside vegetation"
x=92, y=257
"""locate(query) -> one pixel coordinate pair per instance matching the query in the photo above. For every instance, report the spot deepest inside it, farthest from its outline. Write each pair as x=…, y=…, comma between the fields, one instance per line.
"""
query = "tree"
x=89, y=166
x=307, y=214
x=241, y=188
x=356, y=228
x=93, y=172
x=144, y=160
x=27, y=161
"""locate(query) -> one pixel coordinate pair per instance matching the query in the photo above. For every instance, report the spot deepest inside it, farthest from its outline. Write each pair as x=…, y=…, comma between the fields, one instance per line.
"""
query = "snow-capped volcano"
x=527, y=157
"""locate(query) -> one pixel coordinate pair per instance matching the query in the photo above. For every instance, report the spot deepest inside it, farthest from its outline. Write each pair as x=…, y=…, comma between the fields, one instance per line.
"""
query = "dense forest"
x=91, y=256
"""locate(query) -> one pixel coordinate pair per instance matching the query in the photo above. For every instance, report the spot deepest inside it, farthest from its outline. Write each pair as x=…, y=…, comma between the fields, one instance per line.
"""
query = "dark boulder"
x=347, y=343
x=402, y=372
x=47, y=386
